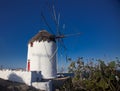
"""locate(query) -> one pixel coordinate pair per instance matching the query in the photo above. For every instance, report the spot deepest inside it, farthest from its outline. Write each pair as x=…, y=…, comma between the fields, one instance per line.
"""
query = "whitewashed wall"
x=42, y=56
x=20, y=76
x=47, y=86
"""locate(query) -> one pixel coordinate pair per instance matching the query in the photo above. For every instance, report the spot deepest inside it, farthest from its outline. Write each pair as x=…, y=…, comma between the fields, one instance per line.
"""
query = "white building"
x=42, y=55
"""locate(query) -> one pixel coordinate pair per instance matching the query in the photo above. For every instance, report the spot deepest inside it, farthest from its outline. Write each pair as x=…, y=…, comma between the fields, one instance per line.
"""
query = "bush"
x=100, y=77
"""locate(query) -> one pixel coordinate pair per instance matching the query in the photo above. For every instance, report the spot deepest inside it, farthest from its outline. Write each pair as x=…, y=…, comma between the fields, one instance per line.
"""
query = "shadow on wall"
x=15, y=78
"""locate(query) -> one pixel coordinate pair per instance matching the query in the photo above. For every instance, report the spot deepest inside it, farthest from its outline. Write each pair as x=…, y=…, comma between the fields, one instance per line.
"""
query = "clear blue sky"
x=98, y=21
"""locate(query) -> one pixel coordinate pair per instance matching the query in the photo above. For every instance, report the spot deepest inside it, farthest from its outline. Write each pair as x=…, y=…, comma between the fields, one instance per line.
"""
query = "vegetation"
x=96, y=75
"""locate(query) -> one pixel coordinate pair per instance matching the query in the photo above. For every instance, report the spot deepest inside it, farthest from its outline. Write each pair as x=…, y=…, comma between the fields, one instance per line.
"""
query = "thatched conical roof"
x=42, y=35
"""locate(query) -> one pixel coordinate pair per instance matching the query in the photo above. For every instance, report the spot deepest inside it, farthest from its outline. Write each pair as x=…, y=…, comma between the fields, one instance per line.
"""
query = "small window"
x=31, y=44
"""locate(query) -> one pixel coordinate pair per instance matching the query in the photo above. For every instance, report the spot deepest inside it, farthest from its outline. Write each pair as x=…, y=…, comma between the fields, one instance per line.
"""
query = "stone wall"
x=20, y=76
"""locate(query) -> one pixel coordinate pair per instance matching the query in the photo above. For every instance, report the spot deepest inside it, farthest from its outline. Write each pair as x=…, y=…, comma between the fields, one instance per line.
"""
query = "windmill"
x=43, y=47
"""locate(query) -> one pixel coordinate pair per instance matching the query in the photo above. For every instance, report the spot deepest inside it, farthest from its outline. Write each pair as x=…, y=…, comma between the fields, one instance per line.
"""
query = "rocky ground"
x=14, y=86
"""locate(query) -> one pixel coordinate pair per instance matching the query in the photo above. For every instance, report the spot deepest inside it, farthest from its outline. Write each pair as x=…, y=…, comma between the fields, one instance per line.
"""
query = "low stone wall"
x=30, y=78
x=46, y=86
x=20, y=76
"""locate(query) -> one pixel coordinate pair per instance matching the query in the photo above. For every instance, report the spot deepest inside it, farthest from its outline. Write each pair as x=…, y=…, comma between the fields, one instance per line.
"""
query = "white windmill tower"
x=42, y=54
x=42, y=49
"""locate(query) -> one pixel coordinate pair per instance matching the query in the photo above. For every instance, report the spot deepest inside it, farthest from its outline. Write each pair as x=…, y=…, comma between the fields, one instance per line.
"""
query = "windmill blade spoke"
x=69, y=35
x=57, y=25
x=44, y=19
x=62, y=44
x=58, y=19
x=54, y=13
x=63, y=27
x=51, y=13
